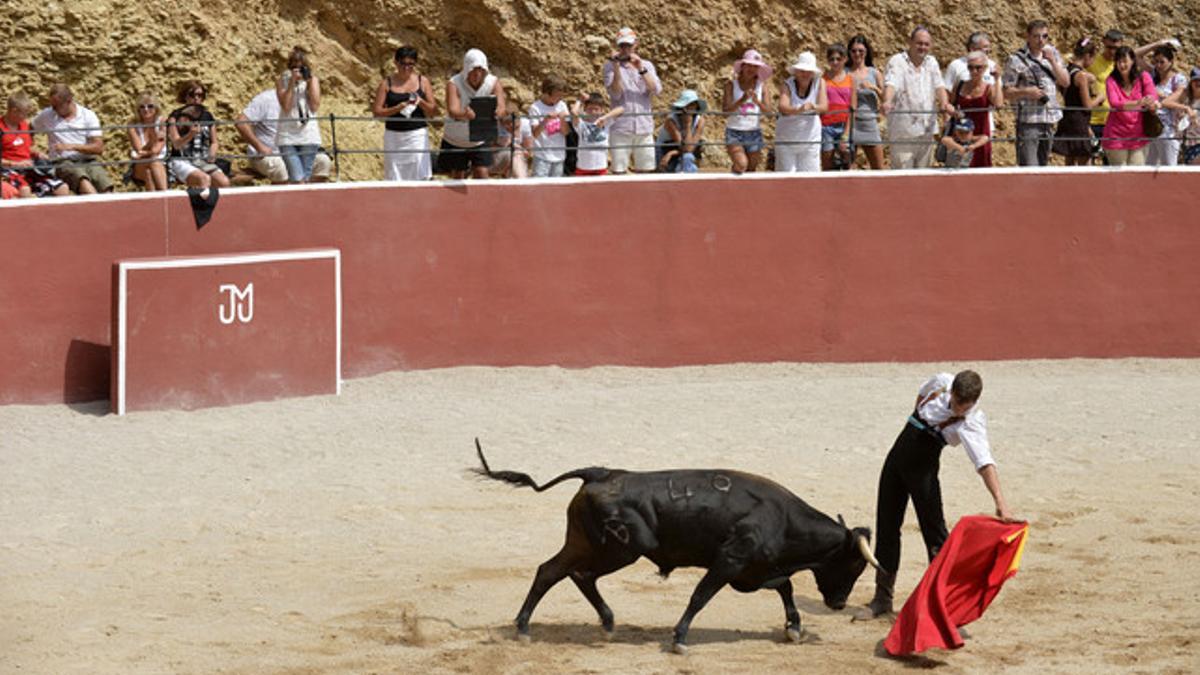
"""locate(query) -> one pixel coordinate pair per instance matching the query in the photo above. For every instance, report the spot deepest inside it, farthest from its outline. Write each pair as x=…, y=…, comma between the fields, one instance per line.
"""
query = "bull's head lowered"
x=837, y=575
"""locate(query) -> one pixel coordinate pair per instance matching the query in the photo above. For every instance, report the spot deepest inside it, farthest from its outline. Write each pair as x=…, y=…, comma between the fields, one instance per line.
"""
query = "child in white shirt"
x=547, y=115
x=591, y=157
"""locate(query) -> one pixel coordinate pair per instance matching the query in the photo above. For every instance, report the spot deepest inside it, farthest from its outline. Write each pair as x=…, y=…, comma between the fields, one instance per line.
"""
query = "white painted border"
x=500, y=184
x=123, y=268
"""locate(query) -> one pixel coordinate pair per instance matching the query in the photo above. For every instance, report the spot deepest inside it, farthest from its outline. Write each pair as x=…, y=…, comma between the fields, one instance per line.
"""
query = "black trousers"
x=910, y=470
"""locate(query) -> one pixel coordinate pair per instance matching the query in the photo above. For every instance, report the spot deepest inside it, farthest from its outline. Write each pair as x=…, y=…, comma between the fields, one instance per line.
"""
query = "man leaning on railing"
x=75, y=142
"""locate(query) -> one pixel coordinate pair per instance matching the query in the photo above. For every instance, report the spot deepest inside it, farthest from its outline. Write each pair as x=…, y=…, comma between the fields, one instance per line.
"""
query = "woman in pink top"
x=1130, y=91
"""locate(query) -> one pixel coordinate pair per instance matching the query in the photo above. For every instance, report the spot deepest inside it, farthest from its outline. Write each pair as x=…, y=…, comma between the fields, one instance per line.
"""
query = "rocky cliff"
x=109, y=50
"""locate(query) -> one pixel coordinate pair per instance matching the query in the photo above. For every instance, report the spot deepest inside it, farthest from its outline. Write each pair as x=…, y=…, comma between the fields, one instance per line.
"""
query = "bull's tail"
x=588, y=475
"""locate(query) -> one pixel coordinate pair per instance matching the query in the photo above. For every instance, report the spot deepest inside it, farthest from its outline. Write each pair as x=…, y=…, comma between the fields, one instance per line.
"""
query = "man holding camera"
x=631, y=82
x=1031, y=78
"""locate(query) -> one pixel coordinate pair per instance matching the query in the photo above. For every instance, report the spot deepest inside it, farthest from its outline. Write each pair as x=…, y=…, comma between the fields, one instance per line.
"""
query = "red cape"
x=980, y=555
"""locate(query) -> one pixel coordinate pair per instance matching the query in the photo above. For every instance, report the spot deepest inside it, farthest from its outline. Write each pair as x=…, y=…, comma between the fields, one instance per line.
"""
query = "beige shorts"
x=642, y=150
x=75, y=170
x=274, y=170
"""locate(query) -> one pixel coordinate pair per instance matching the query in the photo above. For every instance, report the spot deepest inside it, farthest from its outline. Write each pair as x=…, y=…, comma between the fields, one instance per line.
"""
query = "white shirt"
x=263, y=111
x=915, y=99
x=549, y=147
x=970, y=431
x=302, y=127
x=78, y=130
x=592, y=154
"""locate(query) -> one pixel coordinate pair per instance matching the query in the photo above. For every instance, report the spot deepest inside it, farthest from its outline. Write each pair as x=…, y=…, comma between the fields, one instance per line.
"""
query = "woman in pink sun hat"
x=745, y=102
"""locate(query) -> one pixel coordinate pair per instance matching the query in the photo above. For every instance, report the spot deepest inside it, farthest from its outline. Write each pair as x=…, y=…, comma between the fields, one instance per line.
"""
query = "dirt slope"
x=109, y=50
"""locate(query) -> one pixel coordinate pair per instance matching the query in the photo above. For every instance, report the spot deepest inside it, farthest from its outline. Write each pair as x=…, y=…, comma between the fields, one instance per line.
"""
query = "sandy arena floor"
x=344, y=535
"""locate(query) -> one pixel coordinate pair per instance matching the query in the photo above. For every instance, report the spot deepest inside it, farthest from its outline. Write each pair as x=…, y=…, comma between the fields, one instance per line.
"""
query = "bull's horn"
x=865, y=549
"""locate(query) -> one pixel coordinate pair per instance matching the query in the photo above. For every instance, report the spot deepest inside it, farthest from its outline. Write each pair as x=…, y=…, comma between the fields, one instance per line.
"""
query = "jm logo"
x=239, y=305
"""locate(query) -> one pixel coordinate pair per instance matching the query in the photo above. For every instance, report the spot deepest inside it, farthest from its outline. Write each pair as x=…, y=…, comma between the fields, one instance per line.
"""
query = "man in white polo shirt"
x=945, y=412
x=257, y=125
x=74, y=141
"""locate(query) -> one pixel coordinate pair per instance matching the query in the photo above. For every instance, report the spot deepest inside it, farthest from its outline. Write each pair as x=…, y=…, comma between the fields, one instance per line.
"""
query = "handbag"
x=1152, y=126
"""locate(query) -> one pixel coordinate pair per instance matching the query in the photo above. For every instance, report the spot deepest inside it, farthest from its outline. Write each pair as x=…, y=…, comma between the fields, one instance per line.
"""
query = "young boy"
x=18, y=169
x=547, y=115
x=592, y=127
x=961, y=143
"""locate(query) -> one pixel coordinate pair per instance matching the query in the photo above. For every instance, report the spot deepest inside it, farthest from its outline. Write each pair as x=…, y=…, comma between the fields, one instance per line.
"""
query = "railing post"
x=337, y=160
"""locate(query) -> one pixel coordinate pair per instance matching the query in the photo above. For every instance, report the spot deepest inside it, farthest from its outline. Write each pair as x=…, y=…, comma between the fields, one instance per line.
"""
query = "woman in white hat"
x=458, y=152
x=798, y=131
x=744, y=102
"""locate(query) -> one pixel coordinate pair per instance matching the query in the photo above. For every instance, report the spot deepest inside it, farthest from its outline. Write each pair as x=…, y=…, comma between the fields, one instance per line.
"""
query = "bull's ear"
x=842, y=521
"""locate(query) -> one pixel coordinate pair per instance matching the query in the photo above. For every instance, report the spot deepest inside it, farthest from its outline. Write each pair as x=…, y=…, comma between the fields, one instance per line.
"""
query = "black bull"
x=747, y=531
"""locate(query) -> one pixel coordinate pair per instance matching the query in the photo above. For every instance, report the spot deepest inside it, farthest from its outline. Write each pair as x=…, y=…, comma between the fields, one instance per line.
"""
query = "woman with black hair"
x=1164, y=150
x=1073, y=138
x=868, y=85
x=405, y=99
x=1130, y=91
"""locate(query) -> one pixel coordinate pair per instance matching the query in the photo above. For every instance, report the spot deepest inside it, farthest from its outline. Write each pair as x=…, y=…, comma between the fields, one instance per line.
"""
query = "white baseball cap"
x=626, y=36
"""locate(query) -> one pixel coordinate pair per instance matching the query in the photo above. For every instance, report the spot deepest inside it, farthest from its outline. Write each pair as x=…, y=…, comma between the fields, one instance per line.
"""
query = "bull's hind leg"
x=549, y=573
x=585, y=580
x=789, y=610
x=587, y=585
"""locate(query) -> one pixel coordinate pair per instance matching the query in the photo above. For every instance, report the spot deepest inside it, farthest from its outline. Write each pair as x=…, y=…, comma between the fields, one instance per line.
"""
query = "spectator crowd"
x=1103, y=102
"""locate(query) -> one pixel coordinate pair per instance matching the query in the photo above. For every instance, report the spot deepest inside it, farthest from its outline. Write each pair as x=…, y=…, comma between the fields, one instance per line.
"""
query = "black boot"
x=884, y=591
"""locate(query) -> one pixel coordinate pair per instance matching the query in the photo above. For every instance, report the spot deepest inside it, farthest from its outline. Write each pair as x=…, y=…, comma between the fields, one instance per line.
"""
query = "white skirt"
x=406, y=155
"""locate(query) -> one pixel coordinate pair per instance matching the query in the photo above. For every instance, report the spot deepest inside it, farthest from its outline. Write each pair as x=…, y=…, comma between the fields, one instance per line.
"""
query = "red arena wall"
x=653, y=271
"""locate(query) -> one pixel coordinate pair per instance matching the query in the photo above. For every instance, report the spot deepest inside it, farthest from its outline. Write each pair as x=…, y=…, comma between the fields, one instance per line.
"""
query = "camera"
x=1043, y=99
x=622, y=57
x=305, y=72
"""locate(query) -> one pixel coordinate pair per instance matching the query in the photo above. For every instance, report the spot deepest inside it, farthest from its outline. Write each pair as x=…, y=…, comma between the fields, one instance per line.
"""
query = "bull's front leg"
x=705, y=590
x=792, y=628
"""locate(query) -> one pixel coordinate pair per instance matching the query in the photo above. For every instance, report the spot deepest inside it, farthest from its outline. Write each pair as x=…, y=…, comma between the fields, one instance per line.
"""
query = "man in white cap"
x=631, y=82
x=914, y=92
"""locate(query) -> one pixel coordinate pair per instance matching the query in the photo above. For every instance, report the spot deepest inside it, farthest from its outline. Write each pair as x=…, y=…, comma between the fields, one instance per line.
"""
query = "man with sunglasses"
x=75, y=141
x=1032, y=77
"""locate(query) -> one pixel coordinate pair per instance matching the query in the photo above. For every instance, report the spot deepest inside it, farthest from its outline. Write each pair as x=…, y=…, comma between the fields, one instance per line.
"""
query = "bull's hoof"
x=524, y=638
x=793, y=635
x=680, y=648
x=607, y=633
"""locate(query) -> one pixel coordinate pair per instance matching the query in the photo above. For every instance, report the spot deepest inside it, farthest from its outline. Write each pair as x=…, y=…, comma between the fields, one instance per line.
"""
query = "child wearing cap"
x=961, y=143
x=590, y=119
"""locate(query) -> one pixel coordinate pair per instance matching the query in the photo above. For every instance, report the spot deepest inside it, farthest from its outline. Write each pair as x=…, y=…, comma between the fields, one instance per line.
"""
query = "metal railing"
x=336, y=150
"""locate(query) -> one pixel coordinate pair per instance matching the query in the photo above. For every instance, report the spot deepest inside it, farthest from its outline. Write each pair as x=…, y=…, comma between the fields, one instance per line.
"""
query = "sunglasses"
x=976, y=67
x=407, y=64
x=197, y=94
x=147, y=106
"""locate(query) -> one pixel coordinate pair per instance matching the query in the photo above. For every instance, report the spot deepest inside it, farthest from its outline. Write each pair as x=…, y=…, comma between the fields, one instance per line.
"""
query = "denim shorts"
x=831, y=135
x=751, y=140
